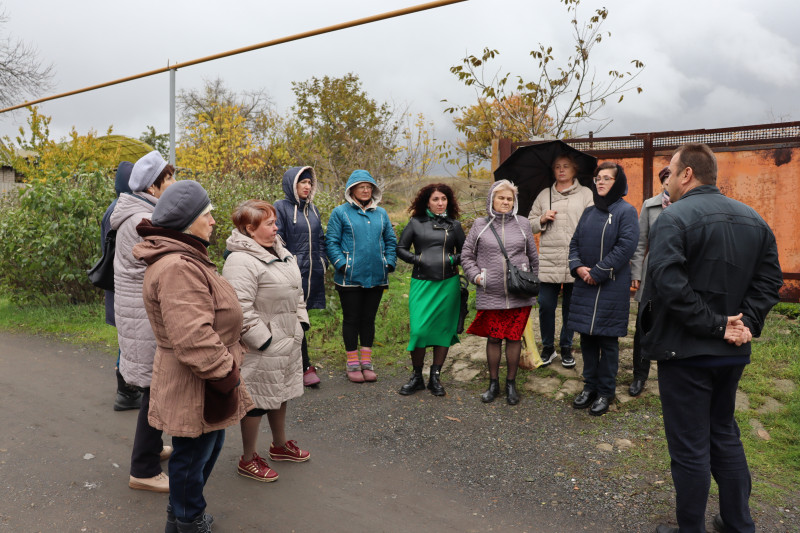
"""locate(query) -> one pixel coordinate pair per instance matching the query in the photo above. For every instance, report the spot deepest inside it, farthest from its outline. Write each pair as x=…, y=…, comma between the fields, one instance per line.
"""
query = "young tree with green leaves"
x=338, y=128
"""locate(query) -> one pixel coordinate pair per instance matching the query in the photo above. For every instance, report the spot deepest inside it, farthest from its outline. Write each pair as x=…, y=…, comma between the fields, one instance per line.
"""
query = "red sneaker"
x=288, y=452
x=310, y=377
x=256, y=468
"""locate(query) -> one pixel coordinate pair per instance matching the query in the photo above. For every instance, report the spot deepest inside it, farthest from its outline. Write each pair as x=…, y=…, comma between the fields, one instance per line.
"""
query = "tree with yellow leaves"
x=37, y=157
x=219, y=141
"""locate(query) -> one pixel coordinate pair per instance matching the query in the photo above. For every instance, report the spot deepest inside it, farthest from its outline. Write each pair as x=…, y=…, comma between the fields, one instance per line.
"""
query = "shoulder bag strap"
x=502, y=248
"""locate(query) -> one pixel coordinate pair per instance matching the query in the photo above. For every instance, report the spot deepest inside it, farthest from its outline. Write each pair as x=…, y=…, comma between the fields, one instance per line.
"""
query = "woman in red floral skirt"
x=501, y=314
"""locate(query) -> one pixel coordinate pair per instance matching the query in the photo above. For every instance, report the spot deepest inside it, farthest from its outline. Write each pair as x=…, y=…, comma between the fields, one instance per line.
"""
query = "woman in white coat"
x=268, y=283
x=555, y=214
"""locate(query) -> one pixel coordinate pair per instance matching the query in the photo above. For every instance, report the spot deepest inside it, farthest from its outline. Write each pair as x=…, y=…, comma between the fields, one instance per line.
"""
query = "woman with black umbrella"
x=555, y=214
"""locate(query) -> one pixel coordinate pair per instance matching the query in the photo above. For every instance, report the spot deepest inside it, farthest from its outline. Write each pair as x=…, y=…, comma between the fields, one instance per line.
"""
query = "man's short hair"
x=701, y=159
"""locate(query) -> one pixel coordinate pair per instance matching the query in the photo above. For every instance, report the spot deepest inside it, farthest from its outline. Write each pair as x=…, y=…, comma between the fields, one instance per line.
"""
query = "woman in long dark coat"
x=599, y=258
x=300, y=227
x=435, y=294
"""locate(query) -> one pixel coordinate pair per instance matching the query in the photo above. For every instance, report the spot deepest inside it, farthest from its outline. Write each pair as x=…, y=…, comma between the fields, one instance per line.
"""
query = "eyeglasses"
x=604, y=179
x=365, y=187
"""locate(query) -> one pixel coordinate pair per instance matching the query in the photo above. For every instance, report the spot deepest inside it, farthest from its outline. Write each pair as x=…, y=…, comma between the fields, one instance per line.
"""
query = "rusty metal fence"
x=758, y=165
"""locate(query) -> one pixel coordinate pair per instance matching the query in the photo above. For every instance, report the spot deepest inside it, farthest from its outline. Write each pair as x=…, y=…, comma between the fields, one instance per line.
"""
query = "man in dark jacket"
x=713, y=275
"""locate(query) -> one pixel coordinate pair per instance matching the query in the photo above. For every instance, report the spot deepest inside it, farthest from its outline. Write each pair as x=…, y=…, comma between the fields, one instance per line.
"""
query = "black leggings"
x=359, y=307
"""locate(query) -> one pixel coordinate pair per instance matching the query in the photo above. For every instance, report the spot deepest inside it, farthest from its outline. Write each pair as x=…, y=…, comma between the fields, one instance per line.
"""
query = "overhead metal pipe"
x=303, y=35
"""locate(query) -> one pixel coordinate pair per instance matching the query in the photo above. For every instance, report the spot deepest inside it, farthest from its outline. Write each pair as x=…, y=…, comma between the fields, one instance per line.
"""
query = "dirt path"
x=65, y=454
x=380, y=462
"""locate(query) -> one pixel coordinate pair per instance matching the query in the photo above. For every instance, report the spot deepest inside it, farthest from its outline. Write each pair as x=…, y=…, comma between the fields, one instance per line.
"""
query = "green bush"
x=50, y=236
x=50, y=232
x=226, y=192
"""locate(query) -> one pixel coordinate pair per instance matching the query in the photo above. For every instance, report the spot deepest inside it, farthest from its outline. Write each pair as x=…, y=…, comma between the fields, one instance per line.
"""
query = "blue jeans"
x=600, y=363
x=548, y=301
x=190, y=466
x=703, y=440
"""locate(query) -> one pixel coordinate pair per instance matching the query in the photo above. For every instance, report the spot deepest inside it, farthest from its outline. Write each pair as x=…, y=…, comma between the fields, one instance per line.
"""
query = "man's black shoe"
x=600, y=406
x=584, y=399
x=636, y=387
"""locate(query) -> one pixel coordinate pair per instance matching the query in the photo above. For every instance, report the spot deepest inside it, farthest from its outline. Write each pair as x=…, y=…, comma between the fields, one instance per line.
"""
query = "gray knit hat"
x=180, y=205
x=146, y=171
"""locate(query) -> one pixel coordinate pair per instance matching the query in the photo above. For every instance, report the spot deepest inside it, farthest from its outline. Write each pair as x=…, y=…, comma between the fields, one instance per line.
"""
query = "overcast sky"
x=708, y=63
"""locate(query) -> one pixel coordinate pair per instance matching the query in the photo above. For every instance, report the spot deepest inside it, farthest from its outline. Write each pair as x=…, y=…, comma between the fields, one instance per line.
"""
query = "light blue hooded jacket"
x=360, y=240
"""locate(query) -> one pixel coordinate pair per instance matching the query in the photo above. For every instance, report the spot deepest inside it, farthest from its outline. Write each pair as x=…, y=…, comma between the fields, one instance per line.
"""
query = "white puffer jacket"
x=270, y=292
x=556, y=235
x=137, y=343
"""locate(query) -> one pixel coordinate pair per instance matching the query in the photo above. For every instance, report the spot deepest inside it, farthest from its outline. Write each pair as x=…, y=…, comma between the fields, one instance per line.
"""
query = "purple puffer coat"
x=481, y=250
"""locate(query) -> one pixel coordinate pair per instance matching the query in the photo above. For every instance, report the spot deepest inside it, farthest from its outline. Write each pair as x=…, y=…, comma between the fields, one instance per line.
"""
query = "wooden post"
x=647, y=166
x=501, y=149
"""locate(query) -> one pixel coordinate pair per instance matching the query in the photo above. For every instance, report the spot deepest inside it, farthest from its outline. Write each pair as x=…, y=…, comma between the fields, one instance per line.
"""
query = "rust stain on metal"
x=782, y=156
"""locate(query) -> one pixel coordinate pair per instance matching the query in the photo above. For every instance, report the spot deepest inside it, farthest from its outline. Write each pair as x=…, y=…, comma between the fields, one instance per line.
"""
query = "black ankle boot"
x=414, y=384
x=127, y=397
x=492, y=392
x=434, y=385
x=511, y=392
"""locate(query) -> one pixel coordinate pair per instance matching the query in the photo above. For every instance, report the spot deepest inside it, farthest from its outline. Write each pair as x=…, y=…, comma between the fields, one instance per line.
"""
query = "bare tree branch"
x=22, y=73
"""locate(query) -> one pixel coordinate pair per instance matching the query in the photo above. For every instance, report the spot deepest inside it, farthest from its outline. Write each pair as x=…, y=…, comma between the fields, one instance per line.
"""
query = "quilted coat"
x=137, y=344
x=604, y=241
x=481, y=250
x=300, y=227
x=197, y=321
x=556, y=235
x=269, y=290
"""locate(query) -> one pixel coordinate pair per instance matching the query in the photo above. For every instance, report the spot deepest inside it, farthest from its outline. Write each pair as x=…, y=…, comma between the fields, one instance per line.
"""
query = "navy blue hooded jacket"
x=604, y=241
x=300, y=227
x=120, y=186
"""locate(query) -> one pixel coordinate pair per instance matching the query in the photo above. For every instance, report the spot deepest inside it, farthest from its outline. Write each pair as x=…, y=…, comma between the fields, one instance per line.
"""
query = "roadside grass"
x=325, y=346
x=76, y=324
x=772, y=384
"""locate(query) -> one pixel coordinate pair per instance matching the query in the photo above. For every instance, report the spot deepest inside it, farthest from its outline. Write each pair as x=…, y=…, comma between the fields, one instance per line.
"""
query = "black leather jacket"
x=437, y=246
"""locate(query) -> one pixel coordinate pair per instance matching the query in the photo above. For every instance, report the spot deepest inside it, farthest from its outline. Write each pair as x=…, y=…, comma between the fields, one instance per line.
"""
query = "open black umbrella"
x=530, y=168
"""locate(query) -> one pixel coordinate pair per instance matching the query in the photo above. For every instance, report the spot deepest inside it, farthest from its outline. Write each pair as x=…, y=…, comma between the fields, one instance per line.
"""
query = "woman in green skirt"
x=434, y=299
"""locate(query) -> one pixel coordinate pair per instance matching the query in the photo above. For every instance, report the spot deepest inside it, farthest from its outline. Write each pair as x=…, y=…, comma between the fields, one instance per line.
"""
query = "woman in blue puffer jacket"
x=300, y=227
x=361, y=247
x=599, y=259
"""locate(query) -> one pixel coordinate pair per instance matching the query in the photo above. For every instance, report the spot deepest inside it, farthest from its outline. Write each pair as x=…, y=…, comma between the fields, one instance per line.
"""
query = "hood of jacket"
x=131, y=204
x=489, y=200
x=617, y=191
x=239, y=242
x=362, y=176
x=159, y=242
x=290, y=179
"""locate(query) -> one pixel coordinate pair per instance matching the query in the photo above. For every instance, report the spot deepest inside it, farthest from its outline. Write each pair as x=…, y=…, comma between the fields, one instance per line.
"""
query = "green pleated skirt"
x=433, y=308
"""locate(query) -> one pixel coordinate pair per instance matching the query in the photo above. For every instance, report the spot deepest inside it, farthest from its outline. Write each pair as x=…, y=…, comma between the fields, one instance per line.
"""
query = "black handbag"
x=520, y=282
x=102, y=273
